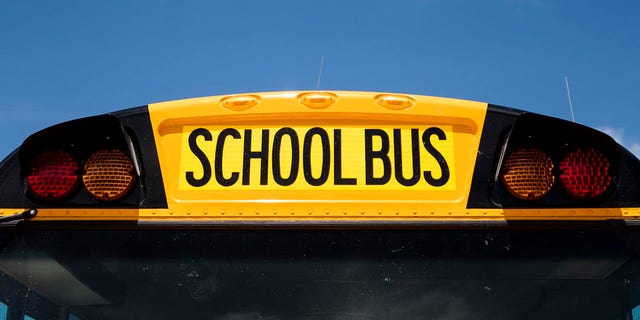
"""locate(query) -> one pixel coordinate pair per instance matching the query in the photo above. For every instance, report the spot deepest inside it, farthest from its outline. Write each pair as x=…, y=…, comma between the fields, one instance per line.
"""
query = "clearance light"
x=395, y=101
x=108, y=175
x=240, y=103
x=54, y=175
x=317, y=100
x=528, y=174
x=585, y=174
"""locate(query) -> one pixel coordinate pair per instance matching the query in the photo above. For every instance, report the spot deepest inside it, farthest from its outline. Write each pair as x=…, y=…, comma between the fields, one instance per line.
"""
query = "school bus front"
x=319, y=205
x=329, y=157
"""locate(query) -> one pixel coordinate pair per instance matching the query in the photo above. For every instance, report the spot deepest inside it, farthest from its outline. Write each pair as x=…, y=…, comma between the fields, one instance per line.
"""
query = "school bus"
x=319, y=205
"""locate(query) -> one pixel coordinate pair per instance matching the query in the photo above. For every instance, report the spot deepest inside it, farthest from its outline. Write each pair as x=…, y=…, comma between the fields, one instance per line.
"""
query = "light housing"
x=587, y=165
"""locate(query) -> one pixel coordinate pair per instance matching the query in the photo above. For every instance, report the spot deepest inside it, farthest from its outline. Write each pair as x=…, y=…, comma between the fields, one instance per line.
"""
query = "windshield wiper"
x=28, y=214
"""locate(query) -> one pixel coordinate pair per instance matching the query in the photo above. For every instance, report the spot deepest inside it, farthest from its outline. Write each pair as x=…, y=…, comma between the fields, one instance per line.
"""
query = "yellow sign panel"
x=315, y=158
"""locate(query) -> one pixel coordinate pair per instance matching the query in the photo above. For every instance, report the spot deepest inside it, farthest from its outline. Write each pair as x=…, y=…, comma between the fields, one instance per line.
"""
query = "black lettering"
x=206, y=165
x=337, y=161
x=217, y=164
x=382, y=154
x=415, y=155
x=444, y=167
x=263, y=155
x=295, y=157
x=306, y=156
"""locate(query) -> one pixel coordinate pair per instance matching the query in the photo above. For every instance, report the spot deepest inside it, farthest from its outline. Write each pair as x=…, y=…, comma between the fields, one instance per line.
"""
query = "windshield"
x=323, y=274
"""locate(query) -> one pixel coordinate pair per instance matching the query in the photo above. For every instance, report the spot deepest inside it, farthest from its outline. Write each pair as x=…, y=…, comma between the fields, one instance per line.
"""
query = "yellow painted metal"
x=453, y=129
x=327, y=213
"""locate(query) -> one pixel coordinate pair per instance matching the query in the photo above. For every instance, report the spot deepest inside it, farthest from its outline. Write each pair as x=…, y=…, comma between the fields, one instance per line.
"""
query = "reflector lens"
x=585, y=174
x=317, y=100
x=54, y=175
x=108, y=175
x=240, y=103
x=395, y=101
x=528, y=174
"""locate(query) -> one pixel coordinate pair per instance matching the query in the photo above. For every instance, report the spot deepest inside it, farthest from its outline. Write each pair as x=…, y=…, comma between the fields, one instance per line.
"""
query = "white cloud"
x=618, y=135
x=635, y=149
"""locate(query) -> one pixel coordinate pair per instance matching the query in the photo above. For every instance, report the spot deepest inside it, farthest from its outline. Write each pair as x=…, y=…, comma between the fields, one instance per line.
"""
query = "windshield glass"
x=323, y=274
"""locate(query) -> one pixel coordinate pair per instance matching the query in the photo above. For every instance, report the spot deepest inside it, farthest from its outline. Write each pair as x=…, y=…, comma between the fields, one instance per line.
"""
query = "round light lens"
x=585, y=174
x=528, y=174
x=108, y=175
x=54, y=175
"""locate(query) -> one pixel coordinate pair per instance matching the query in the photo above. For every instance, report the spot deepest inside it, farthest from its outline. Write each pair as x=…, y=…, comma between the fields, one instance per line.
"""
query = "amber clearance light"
x=108, y=175
x=528, y=174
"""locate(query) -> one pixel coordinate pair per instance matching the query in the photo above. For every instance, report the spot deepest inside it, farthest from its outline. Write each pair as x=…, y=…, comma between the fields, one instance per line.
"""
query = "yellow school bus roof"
x=322, y=157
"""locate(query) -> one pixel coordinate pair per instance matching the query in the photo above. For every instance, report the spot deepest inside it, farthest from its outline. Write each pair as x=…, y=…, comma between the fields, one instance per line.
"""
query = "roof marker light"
x=317, y=100
x=240, y=103
x=394, y=101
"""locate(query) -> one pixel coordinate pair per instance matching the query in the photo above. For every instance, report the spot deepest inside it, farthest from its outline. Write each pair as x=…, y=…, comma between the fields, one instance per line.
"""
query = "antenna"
x=566, y=81
x=320, y=73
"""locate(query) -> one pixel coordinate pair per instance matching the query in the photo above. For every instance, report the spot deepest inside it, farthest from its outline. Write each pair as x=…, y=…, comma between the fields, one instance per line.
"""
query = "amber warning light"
x=528, y=174
x=108, y=175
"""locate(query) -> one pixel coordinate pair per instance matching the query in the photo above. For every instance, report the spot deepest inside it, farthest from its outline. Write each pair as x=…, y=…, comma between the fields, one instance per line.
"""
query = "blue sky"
x=61, y=60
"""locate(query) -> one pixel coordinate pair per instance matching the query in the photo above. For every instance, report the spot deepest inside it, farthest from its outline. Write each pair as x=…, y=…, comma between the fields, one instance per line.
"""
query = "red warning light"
x=585, y=174
x=54, y=175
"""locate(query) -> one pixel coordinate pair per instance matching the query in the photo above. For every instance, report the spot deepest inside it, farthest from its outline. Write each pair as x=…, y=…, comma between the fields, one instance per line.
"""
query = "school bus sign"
x=313, y=158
